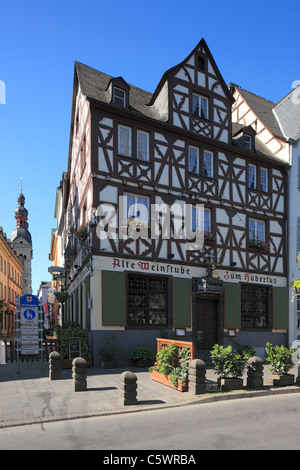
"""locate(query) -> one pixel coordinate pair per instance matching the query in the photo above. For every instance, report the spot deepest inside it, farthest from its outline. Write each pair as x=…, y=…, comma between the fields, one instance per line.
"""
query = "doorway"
x=206, y=323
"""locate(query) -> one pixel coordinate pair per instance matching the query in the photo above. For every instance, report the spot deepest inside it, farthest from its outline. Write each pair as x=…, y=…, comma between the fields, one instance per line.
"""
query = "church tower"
x=22, y=243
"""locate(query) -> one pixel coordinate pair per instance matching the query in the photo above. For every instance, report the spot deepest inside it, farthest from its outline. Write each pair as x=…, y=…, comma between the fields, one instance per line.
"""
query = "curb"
x=199, y=399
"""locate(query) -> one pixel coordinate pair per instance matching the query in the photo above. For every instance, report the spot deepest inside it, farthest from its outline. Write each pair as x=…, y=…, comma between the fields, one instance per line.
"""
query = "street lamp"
x=68, y=255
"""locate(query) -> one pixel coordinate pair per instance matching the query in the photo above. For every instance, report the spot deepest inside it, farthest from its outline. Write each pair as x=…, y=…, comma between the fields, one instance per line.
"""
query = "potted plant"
x=246, y=351
x=73, y=342
x=229, y=365
x=82, y=231
x=142, y=356
x=260, y=244
x=108, y=353
x=296, y=286
x=171, y=367
x=62, y=296
x=281, y=361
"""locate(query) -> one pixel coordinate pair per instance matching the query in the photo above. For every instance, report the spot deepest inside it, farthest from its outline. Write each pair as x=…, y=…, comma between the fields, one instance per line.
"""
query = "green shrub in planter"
x=280, y=359
x=228, y=362
x=74, y=332
x=246, y=351
x=142, y=353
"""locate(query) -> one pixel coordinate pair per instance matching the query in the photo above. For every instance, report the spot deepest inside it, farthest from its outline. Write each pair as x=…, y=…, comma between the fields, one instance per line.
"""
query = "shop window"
x=147, y=301
x=254, y=306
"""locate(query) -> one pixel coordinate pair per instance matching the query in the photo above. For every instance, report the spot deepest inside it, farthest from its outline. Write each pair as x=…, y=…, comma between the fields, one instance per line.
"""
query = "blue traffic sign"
x=29, y=300
x=29, y=314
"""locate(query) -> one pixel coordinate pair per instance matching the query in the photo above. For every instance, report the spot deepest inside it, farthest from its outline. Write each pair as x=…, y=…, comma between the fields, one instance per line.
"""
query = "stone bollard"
x=197, y=373
x=54, y=366
x=128, y=389
x=79, y=374
x=255, y=372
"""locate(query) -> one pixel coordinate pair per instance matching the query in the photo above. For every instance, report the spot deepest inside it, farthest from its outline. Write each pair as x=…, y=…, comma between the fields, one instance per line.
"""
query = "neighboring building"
x=42, y=294
x=22, y=243
x=11, y=271
x=58, y=242
x=175, y=145
x=287, y=113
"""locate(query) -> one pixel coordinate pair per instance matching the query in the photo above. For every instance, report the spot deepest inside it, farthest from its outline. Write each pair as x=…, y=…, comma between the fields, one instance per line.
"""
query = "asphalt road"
x=266, y=423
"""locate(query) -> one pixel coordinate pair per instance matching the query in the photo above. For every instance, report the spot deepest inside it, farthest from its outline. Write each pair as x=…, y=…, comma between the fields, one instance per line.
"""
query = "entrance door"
x=206, y=323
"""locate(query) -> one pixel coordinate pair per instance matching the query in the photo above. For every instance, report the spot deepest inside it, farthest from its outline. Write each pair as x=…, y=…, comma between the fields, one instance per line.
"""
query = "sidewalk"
x=31, y=397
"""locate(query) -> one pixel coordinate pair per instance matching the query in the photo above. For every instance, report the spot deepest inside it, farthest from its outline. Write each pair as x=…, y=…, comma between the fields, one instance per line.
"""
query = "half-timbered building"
x=130, y=149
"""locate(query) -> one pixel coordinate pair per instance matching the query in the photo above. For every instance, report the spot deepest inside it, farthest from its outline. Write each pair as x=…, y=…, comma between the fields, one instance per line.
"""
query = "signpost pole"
x=17, y=320
x=41, y=329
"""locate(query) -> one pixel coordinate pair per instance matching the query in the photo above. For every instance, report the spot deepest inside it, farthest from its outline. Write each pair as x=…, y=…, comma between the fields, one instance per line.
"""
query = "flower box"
x=282, y=380
x=163, y=379
x=230, y=383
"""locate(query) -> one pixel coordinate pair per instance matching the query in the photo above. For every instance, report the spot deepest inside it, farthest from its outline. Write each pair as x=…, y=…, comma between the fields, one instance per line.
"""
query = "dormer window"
x=247, y=142
x=119, y=97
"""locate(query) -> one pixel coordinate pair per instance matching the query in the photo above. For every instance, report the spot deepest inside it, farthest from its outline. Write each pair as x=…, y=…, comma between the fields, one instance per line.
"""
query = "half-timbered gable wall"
x=199, y=101
x=243, y=113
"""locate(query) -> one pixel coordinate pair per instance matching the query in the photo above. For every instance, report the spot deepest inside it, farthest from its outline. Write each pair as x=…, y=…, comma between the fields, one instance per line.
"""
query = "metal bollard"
x=54, y=366
x=128, y=389
x=197, y=375
x=255, y=372
x=79, y=374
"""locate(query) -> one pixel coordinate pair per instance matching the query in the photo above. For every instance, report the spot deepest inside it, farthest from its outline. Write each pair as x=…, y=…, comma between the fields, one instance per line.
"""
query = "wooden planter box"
x=67, y=363
x=230, y=383
x=282, y=380
x=163, y=379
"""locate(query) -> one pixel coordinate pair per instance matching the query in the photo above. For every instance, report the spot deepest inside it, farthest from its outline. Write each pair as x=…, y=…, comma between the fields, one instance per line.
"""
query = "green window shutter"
x=113, y=293
x=280, y=307
x=182, y=302
x=232, y=308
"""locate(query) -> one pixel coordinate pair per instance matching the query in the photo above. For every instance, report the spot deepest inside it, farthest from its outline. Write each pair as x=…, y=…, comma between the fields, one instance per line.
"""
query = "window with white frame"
x=264, y=179
x=208, y=163
x=193, y=159
x=119, y=97
x=200, y=106
x=257, y=230
x=124, y=141
x=201, y=219
x=252, y=177
x=136, y=207
x=143, y=145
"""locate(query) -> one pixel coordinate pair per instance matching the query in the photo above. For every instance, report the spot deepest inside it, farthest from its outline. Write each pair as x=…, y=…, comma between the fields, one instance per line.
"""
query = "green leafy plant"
x=110, y=350
x=182, y=371
x=174, y=362
x=74, y=332
x=280, y=359
x=246, y=351
x=227, y=361
x=142, y=353
x=296, y=286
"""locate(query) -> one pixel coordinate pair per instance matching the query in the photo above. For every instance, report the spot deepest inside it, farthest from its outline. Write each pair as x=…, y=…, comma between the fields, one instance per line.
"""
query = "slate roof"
x=288, y=112
x=260, y=148
x=94, y=85
x=263, y=109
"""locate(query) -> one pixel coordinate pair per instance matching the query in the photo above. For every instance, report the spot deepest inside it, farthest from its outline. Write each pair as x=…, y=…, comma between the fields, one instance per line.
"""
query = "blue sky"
x=254, y=43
